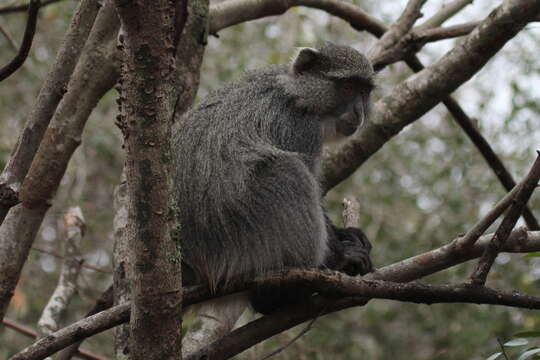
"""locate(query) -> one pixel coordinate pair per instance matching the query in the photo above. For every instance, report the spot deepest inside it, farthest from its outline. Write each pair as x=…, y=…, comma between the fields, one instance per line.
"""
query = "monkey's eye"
x=357, y=84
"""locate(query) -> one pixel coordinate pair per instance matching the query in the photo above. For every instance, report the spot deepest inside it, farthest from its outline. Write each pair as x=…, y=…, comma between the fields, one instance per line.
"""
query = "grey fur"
x=247, y=165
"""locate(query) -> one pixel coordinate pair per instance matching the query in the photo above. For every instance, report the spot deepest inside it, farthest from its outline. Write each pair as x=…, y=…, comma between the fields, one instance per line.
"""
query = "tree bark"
x=149, y=94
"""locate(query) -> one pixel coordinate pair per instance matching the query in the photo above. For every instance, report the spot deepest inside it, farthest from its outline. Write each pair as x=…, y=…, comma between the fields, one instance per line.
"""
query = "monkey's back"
x=248, y=198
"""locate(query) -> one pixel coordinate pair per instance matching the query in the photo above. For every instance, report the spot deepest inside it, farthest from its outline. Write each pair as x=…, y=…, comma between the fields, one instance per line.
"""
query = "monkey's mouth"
x=351, y=120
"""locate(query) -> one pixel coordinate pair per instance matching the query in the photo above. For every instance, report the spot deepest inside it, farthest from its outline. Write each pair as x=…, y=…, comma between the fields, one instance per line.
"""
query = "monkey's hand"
x=350, y=249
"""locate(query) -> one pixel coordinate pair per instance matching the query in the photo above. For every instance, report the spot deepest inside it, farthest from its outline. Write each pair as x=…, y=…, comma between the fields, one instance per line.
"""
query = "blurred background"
x=420, y=191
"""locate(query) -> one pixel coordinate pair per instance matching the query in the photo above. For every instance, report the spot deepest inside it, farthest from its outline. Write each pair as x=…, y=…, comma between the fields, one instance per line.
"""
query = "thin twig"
x=441, y=33
x=481, y=226
x=294, y=339
x=9, y=39
x=59, y=256
x=351, y=210
x=525, y=191
x=503, y=351
x=18, y=8
x=483, y=146
x=29, y=32
x=398, y=29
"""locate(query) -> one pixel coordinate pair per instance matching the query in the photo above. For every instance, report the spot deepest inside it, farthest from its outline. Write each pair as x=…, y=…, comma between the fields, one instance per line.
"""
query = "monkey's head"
x=333, y=82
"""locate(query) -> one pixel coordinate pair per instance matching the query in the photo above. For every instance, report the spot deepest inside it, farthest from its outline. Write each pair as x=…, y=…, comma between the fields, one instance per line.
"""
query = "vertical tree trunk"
x=149, y=93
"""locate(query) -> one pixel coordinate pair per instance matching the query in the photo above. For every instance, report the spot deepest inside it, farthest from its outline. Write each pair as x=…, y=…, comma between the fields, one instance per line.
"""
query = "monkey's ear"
x=304, y=60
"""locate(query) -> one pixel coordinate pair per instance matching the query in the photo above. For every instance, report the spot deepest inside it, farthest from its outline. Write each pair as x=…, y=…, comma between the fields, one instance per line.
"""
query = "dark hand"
x=356, y=249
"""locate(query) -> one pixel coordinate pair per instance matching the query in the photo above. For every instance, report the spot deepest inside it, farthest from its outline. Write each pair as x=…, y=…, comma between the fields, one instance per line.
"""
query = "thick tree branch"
x=403, y=271
x=28, y=36
x=83, y=354
x=234, y=12
x=423, y=91
x=59, y=141
x=523, y=195
x=52, y=91
x=258, y=330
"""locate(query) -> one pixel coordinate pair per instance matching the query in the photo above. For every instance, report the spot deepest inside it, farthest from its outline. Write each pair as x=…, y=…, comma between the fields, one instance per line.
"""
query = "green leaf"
x=516, y=342
x=533, y=254
x=527, y=354
x=494, y=356
x=528, y=334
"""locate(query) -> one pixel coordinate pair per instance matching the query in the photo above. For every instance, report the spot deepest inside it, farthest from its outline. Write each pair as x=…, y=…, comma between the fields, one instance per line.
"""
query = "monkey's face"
x=355, y=110
x=333, y=82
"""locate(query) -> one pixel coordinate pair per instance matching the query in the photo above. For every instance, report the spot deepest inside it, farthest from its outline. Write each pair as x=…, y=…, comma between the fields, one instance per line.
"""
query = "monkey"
x=247, y=173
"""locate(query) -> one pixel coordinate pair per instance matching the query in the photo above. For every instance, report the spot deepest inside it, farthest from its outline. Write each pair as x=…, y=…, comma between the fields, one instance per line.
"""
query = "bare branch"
x=501, y=235
x=28, y=36
x=31, y=333
x=60, y=140
x=444, y=14
x=441, y=33
x=421, y=92
x=19, y=8
x=397, y=30
x=406, y=270
x=51, y=92
x=229, y=13
x=71, y=266
x=60, y=256
x=351, y=212
x=489, y=155
x=104, y=302
x=263, y=328
x=481, y=226
x=410, y=43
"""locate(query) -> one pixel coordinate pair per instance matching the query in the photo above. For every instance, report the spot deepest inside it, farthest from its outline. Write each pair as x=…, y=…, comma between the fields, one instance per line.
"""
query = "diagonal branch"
x=52, y=91
x=18, y=8
x=501, y=235
x=60, y=139
x=28, y=36
x=487, y=152
x=445, y=13
x=421, y=92
x=397, y=30
x=83, y=354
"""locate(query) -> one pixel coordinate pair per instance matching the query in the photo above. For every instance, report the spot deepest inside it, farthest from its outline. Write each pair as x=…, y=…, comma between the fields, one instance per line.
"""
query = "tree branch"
x=489, y=155
x=28, y=36
x=236, y=11
x=31, y=333
x=52, y=91
x=501, y=235
x=229, y=13
x=71, y=266
x=444, y=14
x=24, y=7
x=59, y=141
x=397, y=30
x=403, y=271
x=418, y=94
